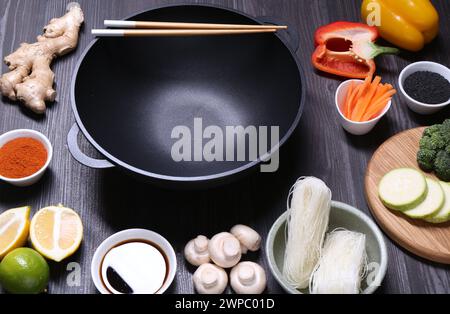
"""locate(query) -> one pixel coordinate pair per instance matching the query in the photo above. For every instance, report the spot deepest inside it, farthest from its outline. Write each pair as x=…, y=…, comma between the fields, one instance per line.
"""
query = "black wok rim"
x=212, y=177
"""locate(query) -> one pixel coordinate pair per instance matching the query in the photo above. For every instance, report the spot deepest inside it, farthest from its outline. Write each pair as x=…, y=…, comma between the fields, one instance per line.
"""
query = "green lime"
x=24, y=271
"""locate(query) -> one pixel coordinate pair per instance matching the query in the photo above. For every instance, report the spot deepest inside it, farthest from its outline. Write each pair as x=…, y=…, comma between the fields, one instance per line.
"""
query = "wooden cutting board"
x=427, y=240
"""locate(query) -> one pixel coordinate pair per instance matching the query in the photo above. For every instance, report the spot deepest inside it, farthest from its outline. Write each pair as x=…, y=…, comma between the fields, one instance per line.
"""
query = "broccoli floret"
x=442, y=165
x=434, y=152
x=445, y=131
x=438, y=141
x=432, y=130
x=426, y=158
x=433, y=142
x=445, y=127
x=425, y=143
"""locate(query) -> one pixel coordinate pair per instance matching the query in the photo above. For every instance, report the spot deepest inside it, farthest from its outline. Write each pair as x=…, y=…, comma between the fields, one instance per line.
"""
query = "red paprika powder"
x=22, y=158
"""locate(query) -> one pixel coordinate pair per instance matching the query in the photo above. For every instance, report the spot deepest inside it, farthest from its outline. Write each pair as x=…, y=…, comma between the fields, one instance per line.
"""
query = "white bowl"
x=353, y=127
x=413, y=104
x=130, y=235
x=12, y=135
x=341, y=216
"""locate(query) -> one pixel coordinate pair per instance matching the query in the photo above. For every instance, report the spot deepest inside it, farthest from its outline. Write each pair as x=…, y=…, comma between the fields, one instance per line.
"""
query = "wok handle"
x=292, y=34
x=72, y=141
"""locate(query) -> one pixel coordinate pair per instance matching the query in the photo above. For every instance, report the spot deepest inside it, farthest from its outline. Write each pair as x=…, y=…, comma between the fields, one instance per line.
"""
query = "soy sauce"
x=134, y=267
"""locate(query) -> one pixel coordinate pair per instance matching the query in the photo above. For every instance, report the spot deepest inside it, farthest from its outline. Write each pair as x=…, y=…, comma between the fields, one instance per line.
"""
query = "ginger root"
x=31, y=79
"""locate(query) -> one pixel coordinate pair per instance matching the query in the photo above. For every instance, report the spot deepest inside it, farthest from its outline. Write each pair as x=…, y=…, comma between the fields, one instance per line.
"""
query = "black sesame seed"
x=427, y=87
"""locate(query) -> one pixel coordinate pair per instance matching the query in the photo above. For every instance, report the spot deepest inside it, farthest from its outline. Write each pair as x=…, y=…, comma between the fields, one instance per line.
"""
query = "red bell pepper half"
x=347, y=49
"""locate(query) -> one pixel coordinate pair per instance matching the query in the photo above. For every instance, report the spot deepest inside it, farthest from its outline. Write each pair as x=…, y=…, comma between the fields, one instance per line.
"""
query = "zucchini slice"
x=402, y=189
x=432, y=204
x=444, y=214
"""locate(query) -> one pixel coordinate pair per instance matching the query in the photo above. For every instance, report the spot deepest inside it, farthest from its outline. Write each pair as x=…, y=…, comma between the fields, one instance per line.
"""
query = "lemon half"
x=56, y=232
x=14, y=227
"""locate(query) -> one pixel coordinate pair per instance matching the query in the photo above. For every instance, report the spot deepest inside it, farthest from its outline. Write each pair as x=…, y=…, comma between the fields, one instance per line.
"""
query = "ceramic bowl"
x=352, y=127
x=129, y=235
x=417, y=106
x=12, y=135
x=341, y=216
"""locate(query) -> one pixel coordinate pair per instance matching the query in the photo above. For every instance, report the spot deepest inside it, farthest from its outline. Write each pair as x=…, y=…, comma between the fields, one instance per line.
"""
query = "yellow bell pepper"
x=409, y=24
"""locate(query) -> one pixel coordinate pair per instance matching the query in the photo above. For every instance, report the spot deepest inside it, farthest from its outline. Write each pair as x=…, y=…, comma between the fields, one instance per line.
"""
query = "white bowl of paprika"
x=24, y=157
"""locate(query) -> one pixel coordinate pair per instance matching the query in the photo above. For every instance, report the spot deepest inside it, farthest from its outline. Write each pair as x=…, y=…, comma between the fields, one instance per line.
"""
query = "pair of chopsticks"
x=143, y=29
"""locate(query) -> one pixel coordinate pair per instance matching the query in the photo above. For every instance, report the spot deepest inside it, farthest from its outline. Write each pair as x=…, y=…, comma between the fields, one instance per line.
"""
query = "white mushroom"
x=225, y=250
x=196, y=251
x=248, y=278
x=210, y=279
x=249, y=238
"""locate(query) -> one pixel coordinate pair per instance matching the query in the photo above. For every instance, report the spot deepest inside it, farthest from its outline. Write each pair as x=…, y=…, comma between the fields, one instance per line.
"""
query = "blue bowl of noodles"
x=341, y=216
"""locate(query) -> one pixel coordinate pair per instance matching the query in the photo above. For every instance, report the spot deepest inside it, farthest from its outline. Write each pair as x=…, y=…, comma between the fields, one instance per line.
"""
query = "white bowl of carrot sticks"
x=362, y=104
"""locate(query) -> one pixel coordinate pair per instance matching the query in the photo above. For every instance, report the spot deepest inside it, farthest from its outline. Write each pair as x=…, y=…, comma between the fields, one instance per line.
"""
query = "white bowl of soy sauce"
x=425, y=86
x=134, y=261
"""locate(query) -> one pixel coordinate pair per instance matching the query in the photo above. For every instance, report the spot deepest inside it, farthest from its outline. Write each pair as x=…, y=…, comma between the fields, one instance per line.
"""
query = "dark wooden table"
x=109, y=201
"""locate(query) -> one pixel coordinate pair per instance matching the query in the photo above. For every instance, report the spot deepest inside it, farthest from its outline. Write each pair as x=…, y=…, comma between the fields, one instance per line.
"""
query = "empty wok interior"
x=131, y=92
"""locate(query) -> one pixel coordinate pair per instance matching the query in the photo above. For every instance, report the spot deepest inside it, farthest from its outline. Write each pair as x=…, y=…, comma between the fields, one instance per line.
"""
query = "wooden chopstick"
x=174, y=25
x=175, y=32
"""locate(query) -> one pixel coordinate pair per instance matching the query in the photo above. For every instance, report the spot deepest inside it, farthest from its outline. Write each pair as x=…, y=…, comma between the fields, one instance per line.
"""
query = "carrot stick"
x=376, y=84
x=375, y=109
x=387, y=94
x=351, y=101
x=382, y=88
x=365, y=103
x=346, y=105
x=361, y=91
x=357, y=107
x=376, y=114
x=365, y=85
x=379, y=105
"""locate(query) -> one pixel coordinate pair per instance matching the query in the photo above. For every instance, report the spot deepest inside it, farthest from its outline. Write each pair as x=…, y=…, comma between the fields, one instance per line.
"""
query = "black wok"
x=128, y=94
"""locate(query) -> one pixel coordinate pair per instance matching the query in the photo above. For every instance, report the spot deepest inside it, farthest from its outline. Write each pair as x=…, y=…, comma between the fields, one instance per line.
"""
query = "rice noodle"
x=342, y=265
x=308, y=212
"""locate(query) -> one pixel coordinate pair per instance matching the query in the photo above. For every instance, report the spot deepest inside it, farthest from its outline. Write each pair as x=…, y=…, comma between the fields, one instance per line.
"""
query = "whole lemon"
x=24, y=271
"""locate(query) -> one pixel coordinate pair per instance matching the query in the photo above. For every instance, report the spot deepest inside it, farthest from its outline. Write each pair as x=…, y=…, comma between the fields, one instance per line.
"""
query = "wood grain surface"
x=422, y=238
x=109, y=201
